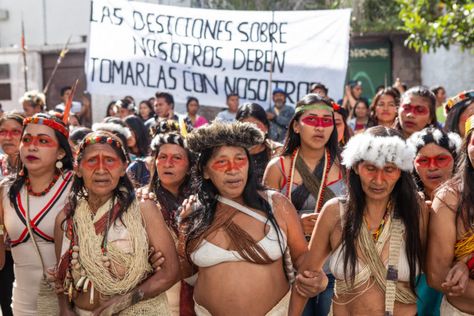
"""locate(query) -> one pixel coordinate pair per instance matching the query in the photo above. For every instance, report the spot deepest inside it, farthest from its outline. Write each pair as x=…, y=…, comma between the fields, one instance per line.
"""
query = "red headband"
x=48, y=122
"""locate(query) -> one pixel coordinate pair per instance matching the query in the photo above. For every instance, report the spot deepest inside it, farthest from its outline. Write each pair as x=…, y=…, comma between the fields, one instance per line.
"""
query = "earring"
x=22, y=172
x=59, y=165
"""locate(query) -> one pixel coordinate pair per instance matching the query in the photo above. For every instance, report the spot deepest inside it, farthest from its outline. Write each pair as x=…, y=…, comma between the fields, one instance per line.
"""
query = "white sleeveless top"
x=43, y=211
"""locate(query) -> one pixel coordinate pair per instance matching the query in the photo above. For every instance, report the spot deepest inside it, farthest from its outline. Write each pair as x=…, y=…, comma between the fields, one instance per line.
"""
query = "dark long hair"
x=254, y=110
x=423, y=92
x=123, y=194
x=203, y=215
x=373, y=121
x=407, y=206
x=17, y=180
x=454, y=114
x=137, y=126
x=293, y=141
x=463, y=183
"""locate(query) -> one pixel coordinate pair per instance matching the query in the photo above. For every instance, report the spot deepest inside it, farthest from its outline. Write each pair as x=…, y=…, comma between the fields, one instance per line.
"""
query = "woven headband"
x=450, y=141
x=48, y=122
x=318, y=106
x=102, y=139
x=463, y=96
x=469, y=125
x=379, y=150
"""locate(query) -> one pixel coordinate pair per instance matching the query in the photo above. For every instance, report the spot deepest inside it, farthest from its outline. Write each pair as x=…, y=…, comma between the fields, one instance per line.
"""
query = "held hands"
x=308, y=221
x=156, y=259
x=144, y=194
x=311, y=283
x=457, y=279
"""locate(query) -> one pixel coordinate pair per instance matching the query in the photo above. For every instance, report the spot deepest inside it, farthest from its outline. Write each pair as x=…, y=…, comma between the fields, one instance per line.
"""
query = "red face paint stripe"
x=318, y=121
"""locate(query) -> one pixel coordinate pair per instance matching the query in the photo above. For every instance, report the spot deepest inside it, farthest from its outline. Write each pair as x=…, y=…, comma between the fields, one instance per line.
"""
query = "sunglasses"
x=439, y=161
x=415, y=109
x=318, y=121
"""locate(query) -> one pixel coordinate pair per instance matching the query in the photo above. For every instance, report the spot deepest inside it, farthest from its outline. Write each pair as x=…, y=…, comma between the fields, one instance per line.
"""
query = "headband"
x=449, y=141
x=218, y=134
x=378, y=150
x=469, y=125
x=48, y=122
x=109, y=138
x=458, y=99
x=318, y=106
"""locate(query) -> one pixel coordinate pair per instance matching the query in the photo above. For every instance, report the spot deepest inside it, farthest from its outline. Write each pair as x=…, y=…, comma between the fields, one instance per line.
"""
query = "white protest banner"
x=139, y=48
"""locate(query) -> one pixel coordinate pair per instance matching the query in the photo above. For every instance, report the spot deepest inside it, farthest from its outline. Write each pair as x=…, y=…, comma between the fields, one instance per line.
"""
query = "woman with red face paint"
x=417, y=110
x=31, y=200
x=373, y=239
x=171, y=185
x=239, y=237
x=103, y=236
x=11, y=126
x=450, y=258
x=309, y=172
x=435, y=161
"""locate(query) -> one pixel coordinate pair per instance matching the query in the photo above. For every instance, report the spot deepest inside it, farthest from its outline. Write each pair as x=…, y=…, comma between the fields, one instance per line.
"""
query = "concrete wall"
x=453, y=69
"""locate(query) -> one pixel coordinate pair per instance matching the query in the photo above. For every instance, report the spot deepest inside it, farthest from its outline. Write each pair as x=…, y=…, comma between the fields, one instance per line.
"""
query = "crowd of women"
x=221, y=220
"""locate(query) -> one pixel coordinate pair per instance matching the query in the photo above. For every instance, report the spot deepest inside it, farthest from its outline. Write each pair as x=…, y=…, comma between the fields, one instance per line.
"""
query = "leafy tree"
x=433, y=23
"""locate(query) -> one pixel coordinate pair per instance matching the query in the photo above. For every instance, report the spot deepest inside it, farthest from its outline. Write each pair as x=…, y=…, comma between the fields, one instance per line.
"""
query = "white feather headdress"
x=112, y=127
x=379, y=150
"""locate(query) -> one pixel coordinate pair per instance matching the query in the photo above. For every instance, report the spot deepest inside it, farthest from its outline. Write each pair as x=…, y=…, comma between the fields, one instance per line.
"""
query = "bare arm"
x=441, y=241
x=273, y=177
x=162, y=279
x=319, y=250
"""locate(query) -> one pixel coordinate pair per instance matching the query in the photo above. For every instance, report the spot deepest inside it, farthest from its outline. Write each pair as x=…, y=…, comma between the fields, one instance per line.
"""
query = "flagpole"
x=61, y=56
x=23, y=52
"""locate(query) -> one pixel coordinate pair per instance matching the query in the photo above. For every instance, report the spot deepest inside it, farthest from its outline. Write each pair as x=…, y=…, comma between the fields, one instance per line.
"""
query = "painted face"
x=463, y=117
x=339, y=121
x=386, y=109
x=259, y=124
x=378, y=183
x=172, y=165
x=39, y=148
x=315, y=127
x=434, y=165
x=193, y=107
x=100, y=169
x=10, y=136
x=162, y=108
x=228, y=170
x=144, y=110
x=414, y=114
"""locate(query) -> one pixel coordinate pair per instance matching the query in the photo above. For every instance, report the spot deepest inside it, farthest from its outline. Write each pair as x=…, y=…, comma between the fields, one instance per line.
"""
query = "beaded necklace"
x=45, y=191
x=327, y=166
x=376, y=234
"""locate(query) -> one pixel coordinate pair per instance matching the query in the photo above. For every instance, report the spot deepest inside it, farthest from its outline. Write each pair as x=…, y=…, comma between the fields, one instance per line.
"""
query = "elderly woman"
x=239, y=233
x=374, y=238
x=102, y=239
x=171, y=185
x=451, y=234
x=31, y=199
x=435, y=161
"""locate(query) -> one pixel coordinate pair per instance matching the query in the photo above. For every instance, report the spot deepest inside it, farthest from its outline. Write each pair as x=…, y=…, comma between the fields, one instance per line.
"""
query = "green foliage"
x=434, y=23
x=376, y=16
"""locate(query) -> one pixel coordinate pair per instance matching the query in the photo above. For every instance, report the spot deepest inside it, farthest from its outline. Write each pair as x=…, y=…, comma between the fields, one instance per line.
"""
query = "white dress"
x=27, y=264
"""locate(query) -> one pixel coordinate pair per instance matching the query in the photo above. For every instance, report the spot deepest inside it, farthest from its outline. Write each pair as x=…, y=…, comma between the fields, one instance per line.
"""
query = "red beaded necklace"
x=45, y=191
